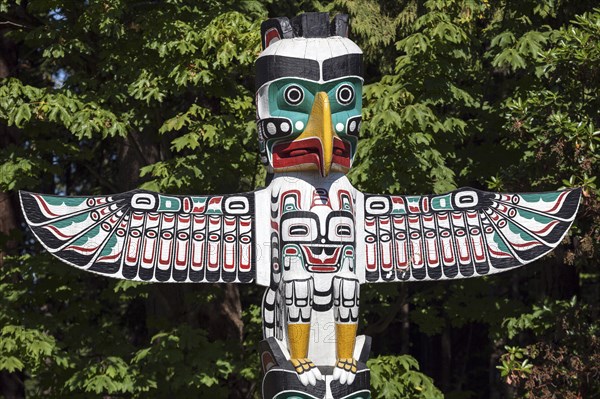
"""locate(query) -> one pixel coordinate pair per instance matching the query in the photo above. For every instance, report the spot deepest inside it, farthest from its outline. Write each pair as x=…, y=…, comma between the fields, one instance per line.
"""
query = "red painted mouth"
x=309, y=152
x=341, y=153
x=322, y=269
x=321, y=258
x=295, y=153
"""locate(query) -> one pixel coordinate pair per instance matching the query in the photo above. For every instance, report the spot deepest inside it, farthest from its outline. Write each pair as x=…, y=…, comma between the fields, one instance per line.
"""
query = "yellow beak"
x=320, y=126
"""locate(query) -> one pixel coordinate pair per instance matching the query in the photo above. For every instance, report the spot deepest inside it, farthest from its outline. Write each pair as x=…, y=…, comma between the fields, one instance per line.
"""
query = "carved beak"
x=320, y=127
x=318, y=147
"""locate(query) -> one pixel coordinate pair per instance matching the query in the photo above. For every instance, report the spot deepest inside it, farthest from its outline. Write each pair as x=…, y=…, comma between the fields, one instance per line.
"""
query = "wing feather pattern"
x=465, y=233
x=141, y=235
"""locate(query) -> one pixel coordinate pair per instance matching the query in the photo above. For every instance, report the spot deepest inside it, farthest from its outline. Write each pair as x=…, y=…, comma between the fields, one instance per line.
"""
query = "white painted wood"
x=262, y=245
x=359, y=250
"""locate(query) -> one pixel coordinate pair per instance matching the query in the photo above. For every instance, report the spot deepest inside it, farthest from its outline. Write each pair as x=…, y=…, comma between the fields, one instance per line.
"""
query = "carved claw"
x=345, y=371
x=307, y=372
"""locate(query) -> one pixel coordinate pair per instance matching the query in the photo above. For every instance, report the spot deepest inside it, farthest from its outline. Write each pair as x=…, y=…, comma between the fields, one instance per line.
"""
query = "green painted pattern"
x=198, y=201
x=347, y=257
x=346, y=205
x=501, y=244
x=520, y=232
x=289, y=204
x=112, y=242
x=442, y=203
x=399, y=211
x=534, y=216
x=414, y=201
x=61, y=224
x=289, y=208
x=87, y=236
x=359, y=395
x=340, y=113
x=294, y=395
x=58, y=201
x=546, y=197
x=169, y=204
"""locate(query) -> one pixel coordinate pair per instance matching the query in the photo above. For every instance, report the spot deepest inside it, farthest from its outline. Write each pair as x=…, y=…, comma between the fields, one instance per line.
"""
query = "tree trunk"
x=11, y=384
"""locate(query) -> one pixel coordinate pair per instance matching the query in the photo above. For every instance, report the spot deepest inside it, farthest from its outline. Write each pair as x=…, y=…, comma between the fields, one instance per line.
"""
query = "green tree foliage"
x=398, y=377
x=106, y=96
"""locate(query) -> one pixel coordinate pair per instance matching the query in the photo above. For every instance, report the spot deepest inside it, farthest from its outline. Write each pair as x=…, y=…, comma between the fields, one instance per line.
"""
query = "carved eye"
x=344, y=230
x=344, y=94
x=298, y=230
x=293, y=94
x=340, y=229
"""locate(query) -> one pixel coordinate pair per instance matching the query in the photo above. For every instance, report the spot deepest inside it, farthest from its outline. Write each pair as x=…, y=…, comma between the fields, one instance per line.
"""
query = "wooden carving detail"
x=140, y=235
x=310, y=237
x=465, y=233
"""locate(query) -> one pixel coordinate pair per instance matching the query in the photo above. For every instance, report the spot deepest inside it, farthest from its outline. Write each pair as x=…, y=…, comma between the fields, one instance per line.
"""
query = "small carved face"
x=320, y=238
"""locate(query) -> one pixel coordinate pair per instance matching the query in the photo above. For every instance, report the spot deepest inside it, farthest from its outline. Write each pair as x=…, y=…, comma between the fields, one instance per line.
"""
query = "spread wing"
x=465, y=233
x=141, y=235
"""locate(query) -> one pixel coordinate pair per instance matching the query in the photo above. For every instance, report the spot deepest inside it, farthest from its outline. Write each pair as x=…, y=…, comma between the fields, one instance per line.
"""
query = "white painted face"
x=321, y=236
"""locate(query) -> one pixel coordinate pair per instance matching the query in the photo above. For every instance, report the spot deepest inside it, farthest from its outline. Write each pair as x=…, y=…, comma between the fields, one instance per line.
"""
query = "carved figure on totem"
x=309, y=237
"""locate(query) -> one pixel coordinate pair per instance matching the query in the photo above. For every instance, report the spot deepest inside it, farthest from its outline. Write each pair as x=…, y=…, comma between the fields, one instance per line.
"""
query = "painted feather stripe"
x=104, y=243
x=219, y=254
x=66, y=216
x=508, y=244
x=74, y=249
x=528, y=231
x=57, y=232
x=84, y=231
x=538, y=234
x=560, y=204
x=43, y=205
x=501, y=248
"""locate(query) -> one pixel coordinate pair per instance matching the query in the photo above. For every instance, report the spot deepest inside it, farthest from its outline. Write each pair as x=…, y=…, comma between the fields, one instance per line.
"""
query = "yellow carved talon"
x=302, y=365
x=348, y=364
x=345, y=370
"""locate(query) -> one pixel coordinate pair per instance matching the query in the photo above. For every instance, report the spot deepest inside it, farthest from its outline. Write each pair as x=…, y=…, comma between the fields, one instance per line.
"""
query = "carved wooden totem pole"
x=310, y=237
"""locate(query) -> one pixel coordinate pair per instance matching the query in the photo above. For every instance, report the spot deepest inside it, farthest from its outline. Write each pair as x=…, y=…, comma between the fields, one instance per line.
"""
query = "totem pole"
x=310, y=237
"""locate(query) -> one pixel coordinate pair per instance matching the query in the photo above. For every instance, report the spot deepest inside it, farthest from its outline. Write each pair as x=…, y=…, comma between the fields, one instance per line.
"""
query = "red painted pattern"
x=57, y=232
x=271, y=34
x=322, y=269
x=559, y=202
x=398, y=204
x=181, y=254
x=245, y=256
x=309, y=151
x=546, y=228
x=314, y=260
x=44, y=205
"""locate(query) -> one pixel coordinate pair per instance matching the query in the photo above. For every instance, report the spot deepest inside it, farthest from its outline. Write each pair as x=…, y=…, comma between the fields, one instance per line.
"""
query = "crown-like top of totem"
x=307, y=25
x=309, y=94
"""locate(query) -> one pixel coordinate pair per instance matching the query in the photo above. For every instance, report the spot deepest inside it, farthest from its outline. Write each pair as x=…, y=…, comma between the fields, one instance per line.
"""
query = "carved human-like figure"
x=310, y=237
x=316, y=241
